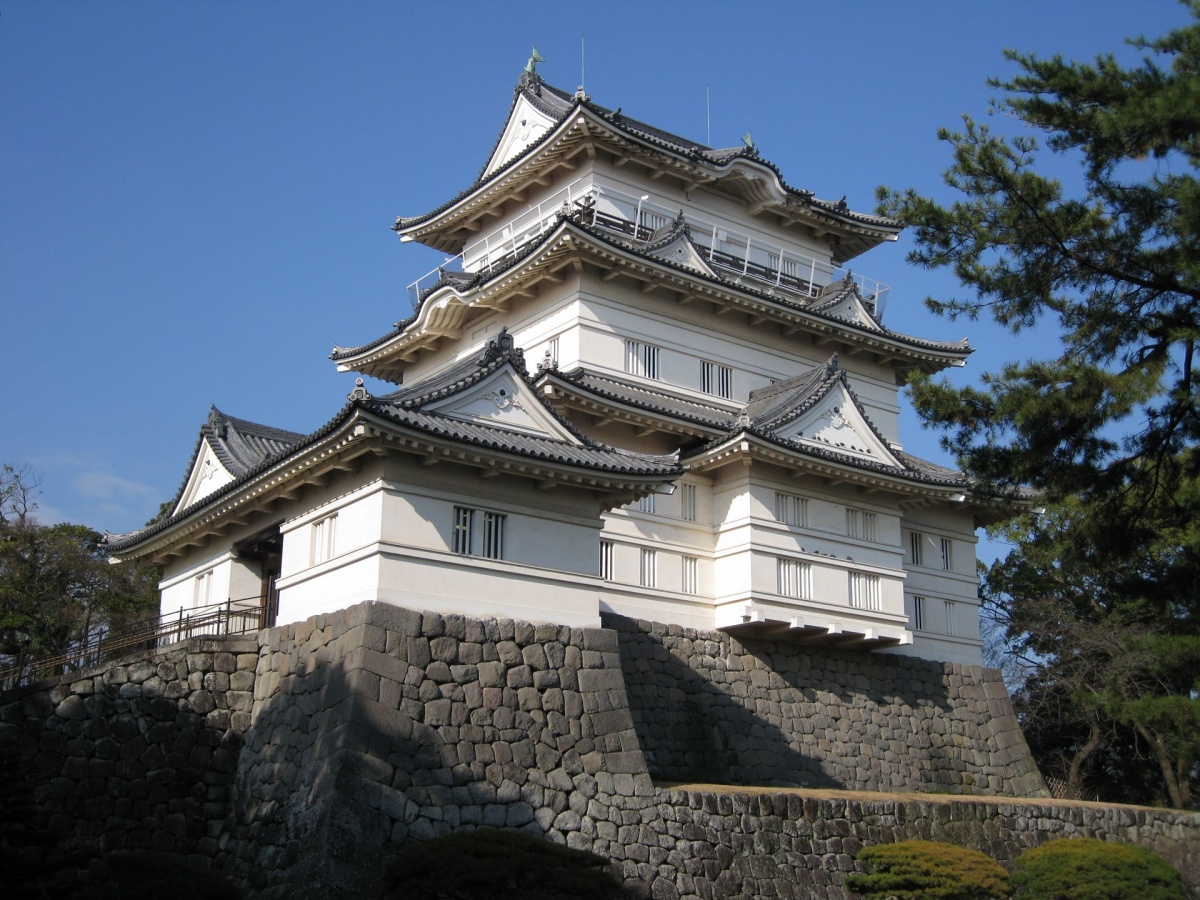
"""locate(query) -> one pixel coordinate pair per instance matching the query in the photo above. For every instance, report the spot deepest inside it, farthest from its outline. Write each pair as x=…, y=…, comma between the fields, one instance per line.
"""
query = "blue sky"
x=195, y=198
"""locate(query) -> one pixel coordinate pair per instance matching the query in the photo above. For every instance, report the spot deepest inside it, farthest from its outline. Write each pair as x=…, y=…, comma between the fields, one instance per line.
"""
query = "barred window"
x=690, y=575
x=478, y=532
x=794, y=578
x=790, y=509
x=322, y=539
x=918, y=613
x=646, y=504
x=687, y=502
x=649, y=570
x=950, y=624
x=641, y=359
x=716, y=379
x=606, y=560
x=860, y=524
x=865, y=591
x=947, y=558
x=916, y=548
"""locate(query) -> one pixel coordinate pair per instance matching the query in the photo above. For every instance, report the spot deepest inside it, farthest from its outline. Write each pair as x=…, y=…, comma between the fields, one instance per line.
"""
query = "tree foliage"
x=1102, y=595
x=57, y=588
x=489, y=864
x=1083, y=868
x=929, y=870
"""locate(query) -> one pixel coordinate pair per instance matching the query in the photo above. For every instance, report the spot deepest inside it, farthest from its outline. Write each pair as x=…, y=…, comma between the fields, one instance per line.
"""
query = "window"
x=947, y=559
x=649, y=572
x=864, y=591
x=950, y=604
x=646, y=504
x=860, y=524
x=202, y=589
x=716, y=379
x=606, y=560
x=687, y=502
x=918, y=619
x=552, y=351
x=794, y=578
x=322, y=539
x=478, y=532
x=916, y=553
x=691, y=578
x=641, y=359
x=790, y=509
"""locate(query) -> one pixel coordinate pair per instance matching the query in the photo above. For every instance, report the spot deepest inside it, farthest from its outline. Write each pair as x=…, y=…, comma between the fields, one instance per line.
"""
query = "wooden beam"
x=610, y=274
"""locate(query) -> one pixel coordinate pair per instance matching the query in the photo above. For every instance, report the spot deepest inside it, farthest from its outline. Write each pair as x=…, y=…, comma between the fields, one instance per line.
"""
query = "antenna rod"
x=582, y=70
x=708, y=112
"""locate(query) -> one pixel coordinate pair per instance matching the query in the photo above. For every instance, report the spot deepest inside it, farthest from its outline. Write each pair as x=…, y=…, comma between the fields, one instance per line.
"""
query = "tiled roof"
x=557, y=104
x=405, y=408
x=644, y=398
x=242, y=445
x=465, y=282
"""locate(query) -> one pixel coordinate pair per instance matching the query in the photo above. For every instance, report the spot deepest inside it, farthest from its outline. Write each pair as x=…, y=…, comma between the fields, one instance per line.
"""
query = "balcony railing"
x=219, y=620
x=747, y=259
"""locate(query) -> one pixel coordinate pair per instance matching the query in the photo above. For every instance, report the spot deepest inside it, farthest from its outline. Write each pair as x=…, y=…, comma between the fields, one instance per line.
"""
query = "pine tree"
x=1102, y=595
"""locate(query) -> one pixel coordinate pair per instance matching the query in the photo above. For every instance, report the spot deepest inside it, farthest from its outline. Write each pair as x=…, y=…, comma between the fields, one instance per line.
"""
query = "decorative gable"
x=208, y=475
x=525, y=125
x=837, y=423
x=682, y=252
x=842, y=300
x=503, y=400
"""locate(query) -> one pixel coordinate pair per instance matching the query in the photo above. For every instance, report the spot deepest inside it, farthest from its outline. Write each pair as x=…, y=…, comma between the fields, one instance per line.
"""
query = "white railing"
x=749, y=260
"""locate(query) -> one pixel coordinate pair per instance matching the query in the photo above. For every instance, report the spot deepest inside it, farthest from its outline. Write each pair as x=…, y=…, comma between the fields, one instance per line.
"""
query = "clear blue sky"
x=195, y=198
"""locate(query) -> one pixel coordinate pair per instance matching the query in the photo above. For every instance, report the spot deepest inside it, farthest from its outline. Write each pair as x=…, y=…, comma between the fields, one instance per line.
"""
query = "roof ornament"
x=531, y=66
x=842, y=205
x=500, y=346
x=748, y=140
x=834, y=365
x=548, y=361
x=217, y=423
x=359, y=392
x=580, y=95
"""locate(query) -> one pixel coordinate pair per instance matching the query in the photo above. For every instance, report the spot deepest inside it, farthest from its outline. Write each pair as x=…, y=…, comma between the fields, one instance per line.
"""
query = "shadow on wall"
x=713, y=708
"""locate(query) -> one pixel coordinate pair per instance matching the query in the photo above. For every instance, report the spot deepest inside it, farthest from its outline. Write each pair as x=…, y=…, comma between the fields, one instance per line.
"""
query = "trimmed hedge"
x=1085, y=868
x=487, y=864
x=929, y=870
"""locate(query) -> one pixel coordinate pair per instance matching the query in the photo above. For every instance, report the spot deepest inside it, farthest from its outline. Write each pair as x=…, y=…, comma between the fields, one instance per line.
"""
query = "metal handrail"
x=216, y=620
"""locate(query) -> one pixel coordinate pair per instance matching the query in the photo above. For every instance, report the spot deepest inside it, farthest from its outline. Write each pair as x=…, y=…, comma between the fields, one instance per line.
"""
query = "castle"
x=644, y=385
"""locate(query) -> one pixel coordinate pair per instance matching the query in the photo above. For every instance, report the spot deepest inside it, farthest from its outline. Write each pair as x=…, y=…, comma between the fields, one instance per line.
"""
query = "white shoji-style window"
x=649, y=570
x=790, y=509
x=793, y=578
x=606, y=560
x=716, y=379
x=691, y=575
x=860, y=524
x=323, y=534
x=641, y=359
x=865, y=591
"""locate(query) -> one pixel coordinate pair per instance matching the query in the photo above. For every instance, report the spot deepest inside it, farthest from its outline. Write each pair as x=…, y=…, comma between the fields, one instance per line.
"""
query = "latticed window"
x=950, y=624
x=916, y=548
x=790, y=509
x=691, y=569
x=646, y=504
x=865, y=591
x=641, y=359
x=464, y=520
x=860, y=524
x=794, y=578
x=918, y=613
x=947, y=558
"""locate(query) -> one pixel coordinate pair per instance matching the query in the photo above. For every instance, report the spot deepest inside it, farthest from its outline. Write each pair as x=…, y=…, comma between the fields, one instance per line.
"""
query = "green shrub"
x=487, y=864
x=928, y=870
x=1085, y=868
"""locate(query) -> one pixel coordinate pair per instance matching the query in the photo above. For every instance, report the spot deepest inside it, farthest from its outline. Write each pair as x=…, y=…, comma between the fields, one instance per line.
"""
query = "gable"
x=850, y=308
x=682, y=252
x=503, y=400
x=208, y=475
x=525, y=126
x=837, y=423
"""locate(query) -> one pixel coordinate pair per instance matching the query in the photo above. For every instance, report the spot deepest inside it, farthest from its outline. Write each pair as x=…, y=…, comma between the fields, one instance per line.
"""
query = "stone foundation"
x=378, y=725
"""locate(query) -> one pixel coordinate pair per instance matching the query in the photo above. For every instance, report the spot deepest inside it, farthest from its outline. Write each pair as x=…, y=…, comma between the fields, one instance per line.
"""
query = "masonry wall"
x=378, y=725
x=713, y=708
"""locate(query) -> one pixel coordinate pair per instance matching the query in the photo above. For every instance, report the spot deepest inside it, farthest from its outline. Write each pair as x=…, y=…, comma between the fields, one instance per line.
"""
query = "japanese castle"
x=645, y=385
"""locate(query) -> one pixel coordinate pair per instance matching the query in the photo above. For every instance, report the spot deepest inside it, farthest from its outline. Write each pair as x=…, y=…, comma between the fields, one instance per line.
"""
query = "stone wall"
x=715, y=708
x=378, y=725
x=140, y=753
